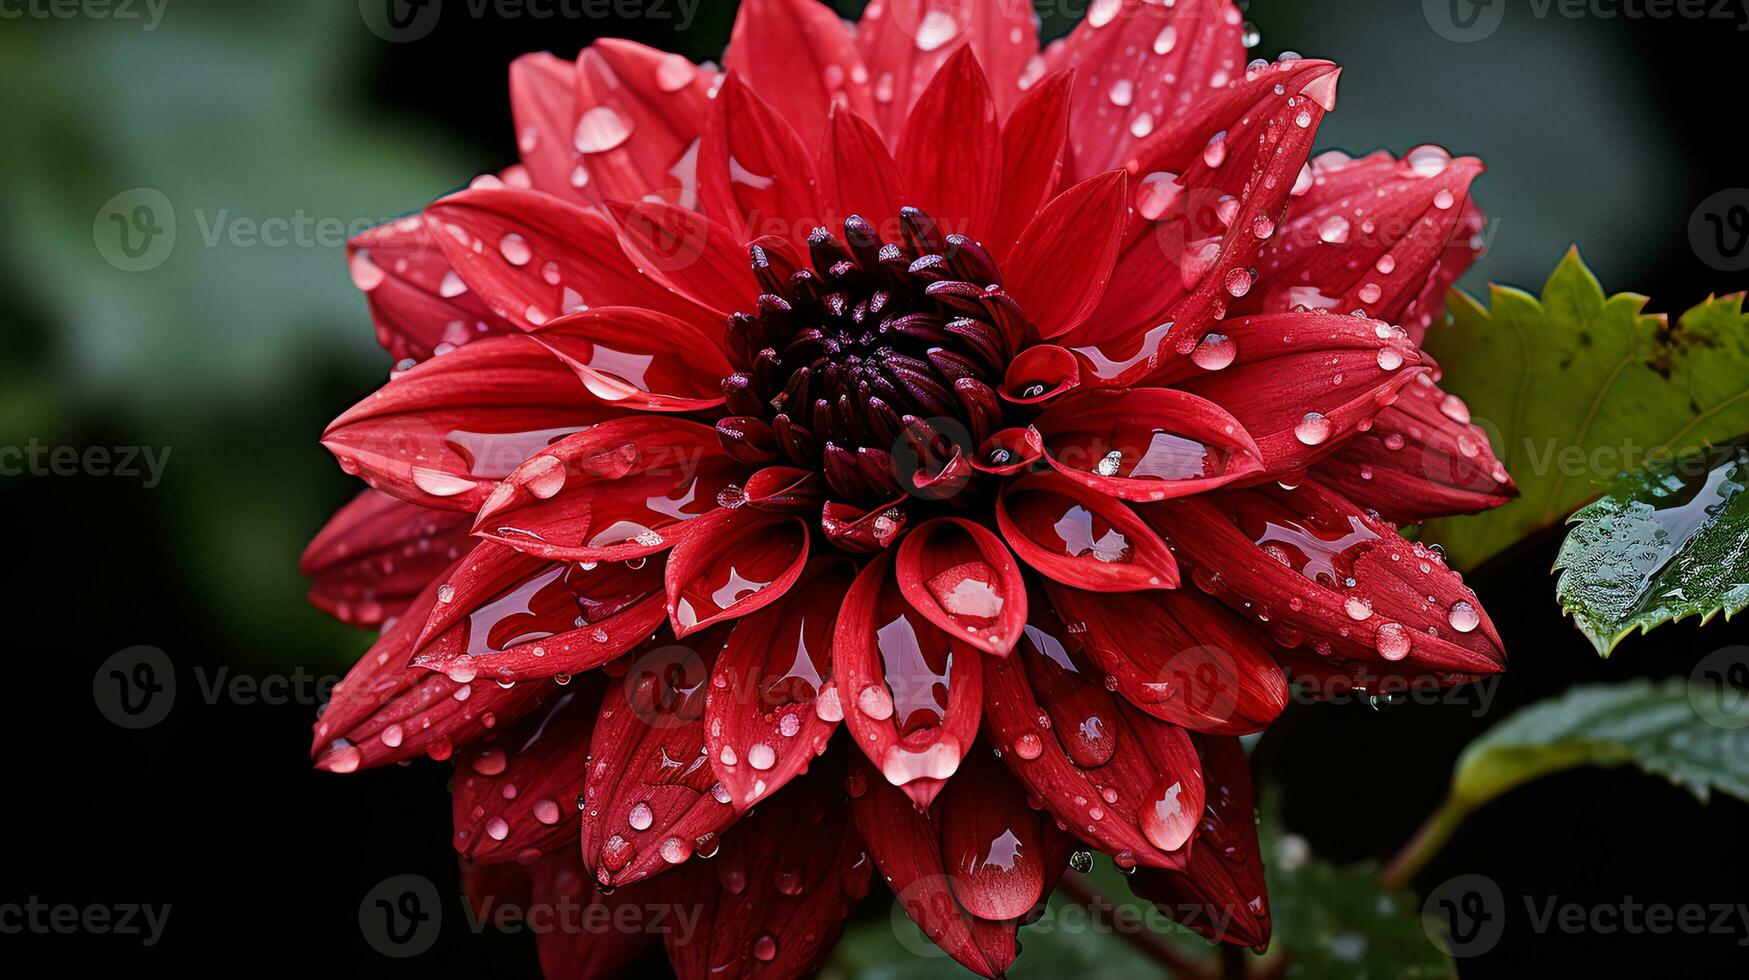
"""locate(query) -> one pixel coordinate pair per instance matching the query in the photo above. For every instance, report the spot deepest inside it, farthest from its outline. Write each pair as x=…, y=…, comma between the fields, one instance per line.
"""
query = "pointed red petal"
x=858, y=175
x=1345, y=582
x=798, y=56
x=1123, y=781
x=1035, y=149
x=755, y=175
x=503, y=615
x=1220, y=893
x=647, y=360
x=906, y=42
x=1422, y=458
x=951, y=153
x=694, y=256
x=1140, y=64
x=775, y=899
x=514, y=796
x=1063, y=260
x=384, y=711
x=1080, y=537
x=961, y=578
x=532, y=258
x=418, y=303
x=910, y=691
x=772, y=707
x=906, y=845
x=1146, y=443
x=543, y=101
x=639, y=115
x=650, y=801
x=442, y=434
x=733, y=562
x=621, y=490
x=377, y=553
x=1180, y=657
x=599, y=932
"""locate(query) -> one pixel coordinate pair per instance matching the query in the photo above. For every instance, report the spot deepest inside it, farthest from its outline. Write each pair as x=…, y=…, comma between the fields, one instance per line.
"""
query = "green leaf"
x=1578, y=387
x=1687, y=733
x=1670, y=541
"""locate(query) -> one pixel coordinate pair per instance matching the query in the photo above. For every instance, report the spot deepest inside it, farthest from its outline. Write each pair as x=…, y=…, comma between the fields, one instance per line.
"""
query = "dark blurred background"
x=231, y=354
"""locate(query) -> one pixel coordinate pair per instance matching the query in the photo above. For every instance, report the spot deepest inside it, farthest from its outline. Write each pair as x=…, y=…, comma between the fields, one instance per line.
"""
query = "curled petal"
x=504, y=615
x=784, y=489
x=645, y=359
x=418, y=303
x=1119, y=779
x=771, y=708
x=1041, y=374
x=514, y=794
x=910, y=691
x=1082, y=538
x=618, y=491
x=799, y=57
x=864, y=531
x=639, y=115
x=1063, y=260
x=1010, y=451
x=1220, y=893
x=1421, y=458
x=1146, y=443
x=1342, y=581
x=732, y=562
x=444, y=433
x=376, y=553
x=775, y=898
x=1179, y=656
x=962, y=578
x=1002, y=855
x=951, y=154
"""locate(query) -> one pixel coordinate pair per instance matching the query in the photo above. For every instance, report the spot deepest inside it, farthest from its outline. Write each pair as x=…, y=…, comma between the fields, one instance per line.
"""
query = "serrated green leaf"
x=1579, y=387
x=1674, y=729
x=1668, y=542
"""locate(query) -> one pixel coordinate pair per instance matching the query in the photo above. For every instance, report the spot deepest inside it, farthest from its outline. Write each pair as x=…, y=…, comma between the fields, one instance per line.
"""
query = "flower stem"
x=1422, y=847
x=1082, y=890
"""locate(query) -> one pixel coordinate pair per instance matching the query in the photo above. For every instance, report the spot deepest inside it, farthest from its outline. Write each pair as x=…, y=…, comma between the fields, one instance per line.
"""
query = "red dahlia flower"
x=1033, y=417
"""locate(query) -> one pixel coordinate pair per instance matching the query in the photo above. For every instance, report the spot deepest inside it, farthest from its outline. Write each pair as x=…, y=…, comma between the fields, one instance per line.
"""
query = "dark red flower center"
x=879, y=352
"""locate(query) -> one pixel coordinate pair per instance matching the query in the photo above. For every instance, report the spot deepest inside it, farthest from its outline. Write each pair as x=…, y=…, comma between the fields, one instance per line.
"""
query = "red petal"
x=444, y=433
x=1115, y=777
x=504, y=615
x=1083, y=538
x=416, y=301
x=543, y=101
x=910, y=691
x=1213, y=187
x=533, y=258
x=1063, y=260
x=799, y=56
x=648, y=360
x=863, y=531
x=732, y=562
x=611, y=926
x=639, y=115
x=951, y=153
x=993, y=845
x=772, y=707
x=785, y=490
x=774, y=900
x=1220, y=893
x=1180, y=657
x=618, y=491
x=906, y=42
x=1142, y=63
x=696, y=257
x=1422, y=458
x=1369, y=234
x=1017, y=449
x=1314, y=564
x=650, y=801
x=906, y=845
x=384, y=711
x=377, y=553
x=1147, y=443
x=514, y=798
x=962, y=578
x=1035, y=149
x=858, y=175
x=1301, y=383
x=755, y=174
